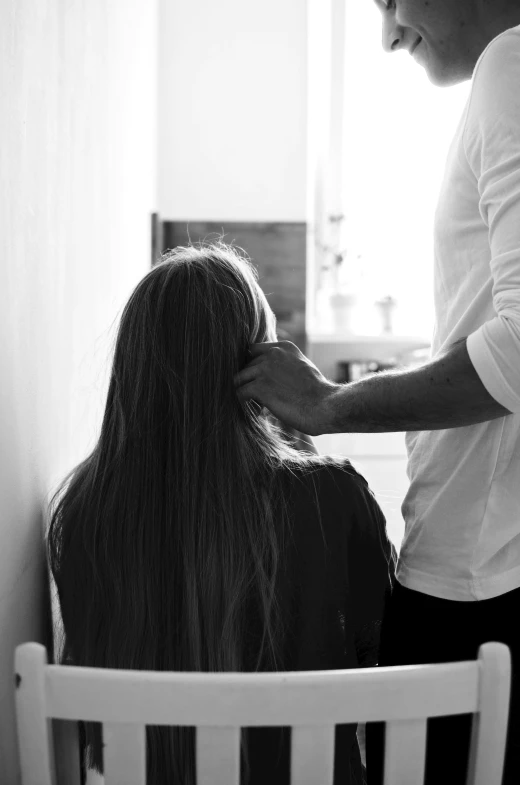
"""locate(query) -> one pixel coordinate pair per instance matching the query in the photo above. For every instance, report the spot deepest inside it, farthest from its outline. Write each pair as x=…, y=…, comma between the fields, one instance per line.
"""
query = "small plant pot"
x=342, y=306
x=386, y=308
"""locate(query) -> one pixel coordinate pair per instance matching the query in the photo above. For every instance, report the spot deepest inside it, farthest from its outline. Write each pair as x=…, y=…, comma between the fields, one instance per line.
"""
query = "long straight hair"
x=169, y=536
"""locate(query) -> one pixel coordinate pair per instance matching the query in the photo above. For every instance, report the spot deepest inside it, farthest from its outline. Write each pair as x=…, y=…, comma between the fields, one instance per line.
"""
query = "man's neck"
x=490, y=22
x=496, y=22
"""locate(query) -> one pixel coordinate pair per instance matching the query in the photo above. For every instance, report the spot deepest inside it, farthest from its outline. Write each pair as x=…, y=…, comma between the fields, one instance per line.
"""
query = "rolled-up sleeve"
x=492, y=146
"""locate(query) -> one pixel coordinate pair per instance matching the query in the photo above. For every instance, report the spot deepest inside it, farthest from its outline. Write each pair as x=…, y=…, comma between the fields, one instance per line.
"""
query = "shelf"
x=326, y=350
x=417, y=341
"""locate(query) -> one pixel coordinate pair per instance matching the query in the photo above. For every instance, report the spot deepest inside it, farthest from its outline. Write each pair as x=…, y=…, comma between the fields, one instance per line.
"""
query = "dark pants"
x=420, y=629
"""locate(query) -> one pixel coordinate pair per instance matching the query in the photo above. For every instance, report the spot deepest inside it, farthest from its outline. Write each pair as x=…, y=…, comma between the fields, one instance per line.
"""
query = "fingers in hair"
x=246, y=375
x=248, y=393
x=258, y=349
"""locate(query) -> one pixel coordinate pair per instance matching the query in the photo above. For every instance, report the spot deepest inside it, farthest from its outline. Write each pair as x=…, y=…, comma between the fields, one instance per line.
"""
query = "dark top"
x=333, y=586
x=337, y=568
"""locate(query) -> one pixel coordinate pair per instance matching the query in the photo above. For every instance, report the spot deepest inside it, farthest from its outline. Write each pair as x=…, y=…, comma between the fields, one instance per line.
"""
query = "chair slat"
x=285, y=699
x=405, y=752
x=489, y=730
x=217, y=756
x=124, y=754
x=34, y=728
x=312, y=755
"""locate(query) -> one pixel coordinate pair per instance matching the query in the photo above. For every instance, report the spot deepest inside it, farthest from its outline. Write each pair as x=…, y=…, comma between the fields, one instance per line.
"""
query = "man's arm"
x=444, y=393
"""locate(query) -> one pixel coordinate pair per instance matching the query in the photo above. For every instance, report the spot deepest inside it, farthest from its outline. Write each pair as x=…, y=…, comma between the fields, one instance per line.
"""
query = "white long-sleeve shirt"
x=462, y=510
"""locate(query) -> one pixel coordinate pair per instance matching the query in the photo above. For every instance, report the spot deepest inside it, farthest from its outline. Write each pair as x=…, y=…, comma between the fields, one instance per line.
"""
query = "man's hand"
x=281, y=378
x=445, y=393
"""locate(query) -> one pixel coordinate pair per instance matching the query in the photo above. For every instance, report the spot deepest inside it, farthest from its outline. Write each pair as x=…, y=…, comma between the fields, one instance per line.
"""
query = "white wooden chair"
x=220, y=704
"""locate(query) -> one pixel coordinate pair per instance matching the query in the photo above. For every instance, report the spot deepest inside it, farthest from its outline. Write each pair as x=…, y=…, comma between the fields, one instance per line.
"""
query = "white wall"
x=77, y=154
x=232, y=110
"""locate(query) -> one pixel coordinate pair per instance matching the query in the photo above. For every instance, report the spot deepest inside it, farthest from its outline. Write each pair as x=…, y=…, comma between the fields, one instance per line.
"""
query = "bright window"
x=397, y=131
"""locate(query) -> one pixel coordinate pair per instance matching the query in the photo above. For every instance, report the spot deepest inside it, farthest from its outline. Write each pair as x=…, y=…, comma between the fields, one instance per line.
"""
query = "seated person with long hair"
x=195, y=537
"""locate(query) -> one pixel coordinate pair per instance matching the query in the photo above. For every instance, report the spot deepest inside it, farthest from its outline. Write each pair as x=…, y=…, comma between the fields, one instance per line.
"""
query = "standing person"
x=458, y=577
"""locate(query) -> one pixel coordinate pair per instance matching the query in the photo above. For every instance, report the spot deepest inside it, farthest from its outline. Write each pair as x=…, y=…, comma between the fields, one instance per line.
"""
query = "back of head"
x=184, y=333
x=169, y=535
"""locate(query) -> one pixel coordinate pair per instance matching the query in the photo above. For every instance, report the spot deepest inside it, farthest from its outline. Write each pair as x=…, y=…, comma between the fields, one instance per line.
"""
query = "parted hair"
x=169, y=536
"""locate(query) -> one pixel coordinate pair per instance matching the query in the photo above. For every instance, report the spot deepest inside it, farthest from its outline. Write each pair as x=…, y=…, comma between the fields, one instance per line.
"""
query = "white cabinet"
x=381, y=459
x=327, y=350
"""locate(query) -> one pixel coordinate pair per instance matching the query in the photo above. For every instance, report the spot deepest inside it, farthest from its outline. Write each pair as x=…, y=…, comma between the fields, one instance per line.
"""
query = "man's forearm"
x=445, y=393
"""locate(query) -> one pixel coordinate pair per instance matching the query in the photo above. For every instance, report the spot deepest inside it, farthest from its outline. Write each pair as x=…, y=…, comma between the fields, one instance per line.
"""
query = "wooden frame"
x=312, y=703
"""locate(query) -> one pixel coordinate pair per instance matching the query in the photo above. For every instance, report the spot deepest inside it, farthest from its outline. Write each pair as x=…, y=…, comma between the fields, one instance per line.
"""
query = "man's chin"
x=442, y=76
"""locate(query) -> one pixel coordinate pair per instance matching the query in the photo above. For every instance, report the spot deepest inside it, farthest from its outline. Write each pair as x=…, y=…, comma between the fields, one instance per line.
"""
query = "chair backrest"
x=312, y=703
